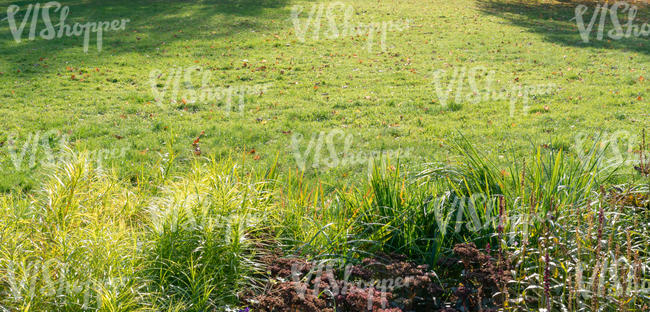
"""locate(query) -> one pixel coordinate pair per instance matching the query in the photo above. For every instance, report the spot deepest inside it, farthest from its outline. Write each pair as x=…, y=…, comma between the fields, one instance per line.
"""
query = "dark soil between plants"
x=384, y=283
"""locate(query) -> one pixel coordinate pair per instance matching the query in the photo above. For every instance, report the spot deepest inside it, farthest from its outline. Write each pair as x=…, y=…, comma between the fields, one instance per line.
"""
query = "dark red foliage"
x=284, y=298
x=386, y=283
x=482, y=278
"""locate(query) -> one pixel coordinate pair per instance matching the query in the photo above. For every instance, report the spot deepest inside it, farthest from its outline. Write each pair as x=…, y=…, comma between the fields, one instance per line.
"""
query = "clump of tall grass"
x=200, y=240
x=549, y=216
x=563, y=231
x=596, y=258
x=85, y=241
x=430, y=212
x=70, y=246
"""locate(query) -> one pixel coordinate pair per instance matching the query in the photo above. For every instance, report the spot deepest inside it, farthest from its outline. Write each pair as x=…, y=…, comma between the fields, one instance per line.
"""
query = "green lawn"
x=214, y=141
x=382, y=98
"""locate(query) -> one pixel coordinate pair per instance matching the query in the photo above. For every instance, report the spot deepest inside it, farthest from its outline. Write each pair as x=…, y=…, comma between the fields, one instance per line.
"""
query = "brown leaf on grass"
x=198, y=138
x=117, y=136
x=195, y=144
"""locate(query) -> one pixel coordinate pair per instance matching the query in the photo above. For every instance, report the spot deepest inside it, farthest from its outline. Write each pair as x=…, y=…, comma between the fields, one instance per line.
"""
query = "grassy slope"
x=600, y=81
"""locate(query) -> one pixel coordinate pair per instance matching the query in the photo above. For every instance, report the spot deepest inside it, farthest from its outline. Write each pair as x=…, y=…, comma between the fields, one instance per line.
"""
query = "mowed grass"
x=384, y=98
x=192, y=195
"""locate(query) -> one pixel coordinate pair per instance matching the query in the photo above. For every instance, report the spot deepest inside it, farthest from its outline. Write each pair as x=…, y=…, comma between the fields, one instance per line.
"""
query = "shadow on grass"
x=152, y=24
x=556, y=22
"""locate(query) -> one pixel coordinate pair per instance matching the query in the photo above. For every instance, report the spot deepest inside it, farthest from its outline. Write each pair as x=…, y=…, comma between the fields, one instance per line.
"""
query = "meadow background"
x=385, y=99
x=161, y=157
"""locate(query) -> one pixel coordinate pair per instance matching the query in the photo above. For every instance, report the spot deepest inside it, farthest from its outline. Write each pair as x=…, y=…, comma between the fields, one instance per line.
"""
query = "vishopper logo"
x=180, y=84
x=50, y=32
x=480, y=87
x=25, y=280
x=193, y=212
x=37, y=148
x=620, y=148
x=323, y=276
x=312, y=156
x=333, y=14
x=621, y=275
x=481, y=212
x=50, y=148
x=600, y=15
